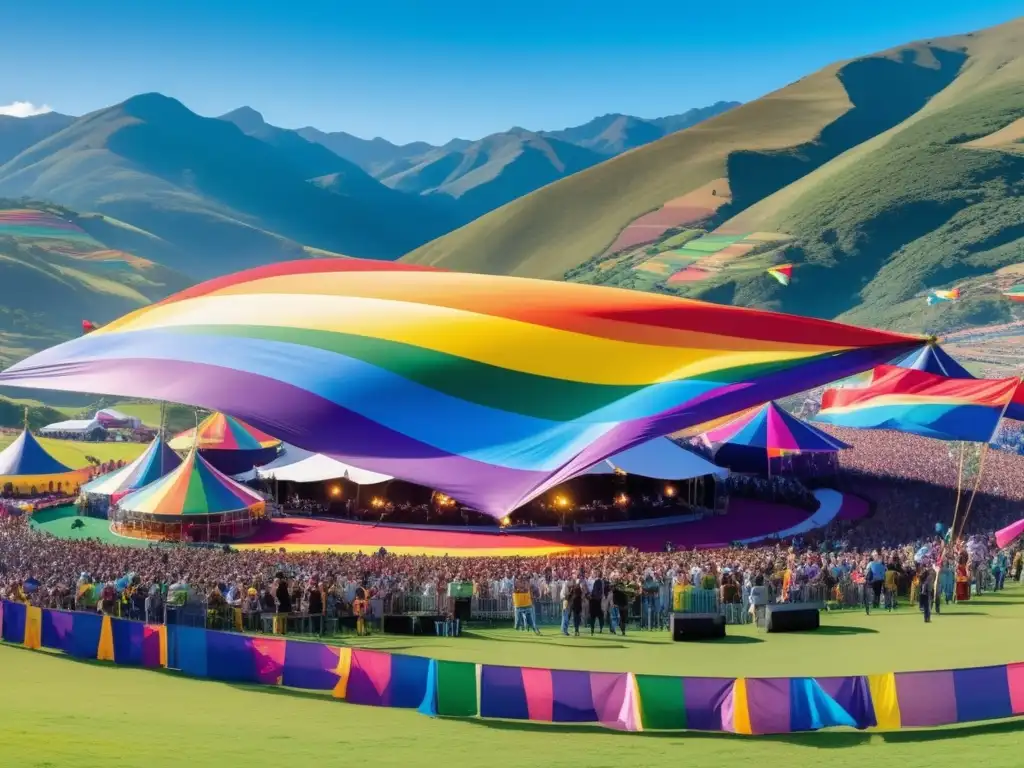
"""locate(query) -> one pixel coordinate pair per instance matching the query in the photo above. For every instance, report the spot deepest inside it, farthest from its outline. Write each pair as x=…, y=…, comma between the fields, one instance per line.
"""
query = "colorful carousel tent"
x=229, y=444
x=750, y=442
x=934, y=359
x=155, y=462
x=26, y=468
x=194, y=501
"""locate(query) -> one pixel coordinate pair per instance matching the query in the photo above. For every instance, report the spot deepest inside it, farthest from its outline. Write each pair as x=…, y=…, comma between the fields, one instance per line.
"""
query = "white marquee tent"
x=660, y=458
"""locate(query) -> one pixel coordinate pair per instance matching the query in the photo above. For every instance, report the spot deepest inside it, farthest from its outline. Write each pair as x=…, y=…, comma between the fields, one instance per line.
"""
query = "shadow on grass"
x=837, y=739
x=829, y=629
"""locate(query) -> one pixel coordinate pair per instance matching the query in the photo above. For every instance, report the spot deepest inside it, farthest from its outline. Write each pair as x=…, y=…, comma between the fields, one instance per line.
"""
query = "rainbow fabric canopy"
x=193, y=489
x=155, y=462
x=489, y=389
x=1016, y=293
x=218, y=432
x=907, y=400
x=934, y=359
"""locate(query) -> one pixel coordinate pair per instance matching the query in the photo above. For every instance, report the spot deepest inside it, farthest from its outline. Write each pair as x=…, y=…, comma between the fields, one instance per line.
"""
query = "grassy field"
x=62, y=712
x=72, y=453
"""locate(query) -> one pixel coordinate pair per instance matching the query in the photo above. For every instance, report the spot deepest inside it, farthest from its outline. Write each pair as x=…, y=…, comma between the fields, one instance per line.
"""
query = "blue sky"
x=434, y=70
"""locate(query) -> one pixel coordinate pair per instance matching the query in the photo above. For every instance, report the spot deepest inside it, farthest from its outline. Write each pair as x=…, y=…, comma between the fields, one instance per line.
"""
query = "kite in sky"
x=489, y=389
x=783, y=273
x=938, y=297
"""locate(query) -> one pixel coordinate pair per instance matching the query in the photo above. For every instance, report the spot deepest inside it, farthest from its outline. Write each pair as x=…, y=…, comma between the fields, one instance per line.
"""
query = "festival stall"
x=82, y=429
x=765, y=439
x=112, y=419
x=229, y=444
x=194, y=502
x=155, y=462
x=26, y=469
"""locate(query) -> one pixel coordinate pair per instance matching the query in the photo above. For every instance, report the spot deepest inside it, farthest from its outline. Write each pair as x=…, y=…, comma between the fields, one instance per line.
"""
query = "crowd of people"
x=912, y=483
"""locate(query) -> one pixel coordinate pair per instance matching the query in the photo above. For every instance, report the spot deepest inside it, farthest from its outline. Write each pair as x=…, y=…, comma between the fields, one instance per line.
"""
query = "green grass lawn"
x=61, y=712
x=58, y=521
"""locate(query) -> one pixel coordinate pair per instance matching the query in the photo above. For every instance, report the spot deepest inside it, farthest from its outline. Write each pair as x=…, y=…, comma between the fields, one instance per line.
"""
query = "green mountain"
x=880, y=179
x=19, y=133
x=485, y=174
x=221, y=199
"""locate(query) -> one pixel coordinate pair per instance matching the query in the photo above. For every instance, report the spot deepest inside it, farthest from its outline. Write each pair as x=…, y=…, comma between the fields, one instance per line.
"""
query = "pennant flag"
x=1006, y=536
x=475, y=367
x=938, y=297
x=920, y=403
x=783, y=273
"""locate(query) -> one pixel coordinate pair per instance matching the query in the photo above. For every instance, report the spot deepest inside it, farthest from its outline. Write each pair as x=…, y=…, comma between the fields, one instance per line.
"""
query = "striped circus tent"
x=27, y=468
x=155, y=462
x=229, y=444
x=195, y=493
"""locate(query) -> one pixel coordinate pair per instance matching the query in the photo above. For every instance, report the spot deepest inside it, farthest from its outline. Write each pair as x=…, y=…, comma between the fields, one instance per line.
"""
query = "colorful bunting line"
x=620, y=700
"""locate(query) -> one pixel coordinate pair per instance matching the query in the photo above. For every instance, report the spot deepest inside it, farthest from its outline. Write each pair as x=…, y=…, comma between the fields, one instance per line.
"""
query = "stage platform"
x=747, y=521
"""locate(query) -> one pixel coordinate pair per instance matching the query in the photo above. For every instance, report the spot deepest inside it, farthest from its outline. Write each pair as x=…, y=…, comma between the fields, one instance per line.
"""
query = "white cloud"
x=24, y=109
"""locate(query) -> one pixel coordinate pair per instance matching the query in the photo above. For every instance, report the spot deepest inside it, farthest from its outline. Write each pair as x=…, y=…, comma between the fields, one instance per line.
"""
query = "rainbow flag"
x=489, y=389
x=908, y=400
x=1016, y=293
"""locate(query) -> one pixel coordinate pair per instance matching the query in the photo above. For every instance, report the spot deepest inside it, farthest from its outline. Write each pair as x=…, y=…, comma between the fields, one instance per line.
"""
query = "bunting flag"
x=908, y=400
x=624, y=701
x=782, y=273
x=489, y=389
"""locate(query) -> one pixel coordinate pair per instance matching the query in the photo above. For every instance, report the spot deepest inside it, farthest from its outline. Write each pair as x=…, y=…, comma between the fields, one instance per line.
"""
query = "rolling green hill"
x=54, y=275
x=222, y=199
x=880, y=178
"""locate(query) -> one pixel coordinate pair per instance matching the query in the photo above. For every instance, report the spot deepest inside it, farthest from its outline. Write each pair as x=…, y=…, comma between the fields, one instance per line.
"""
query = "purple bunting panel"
x=502, y=693
x=15, y=615
x=982, y=693
x=926, y=699
x=230, y=658
x=369, y=679
x=704, y=698
x=312, y=666
x=854, y=696
x=85, y=635
x=573, y=698
x=58, y=627
x=128, y=643
x=768, y=703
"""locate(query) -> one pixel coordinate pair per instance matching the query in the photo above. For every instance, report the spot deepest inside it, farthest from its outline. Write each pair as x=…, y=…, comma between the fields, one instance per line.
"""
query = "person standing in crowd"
x=619, y=607
x=598, y=590
x=575, y=605
x=1018, y=565
x=875, y=575
x=926, y=576
x=999, y=568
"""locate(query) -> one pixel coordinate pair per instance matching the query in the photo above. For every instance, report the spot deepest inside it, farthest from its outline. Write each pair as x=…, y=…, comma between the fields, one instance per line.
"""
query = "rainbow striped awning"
x=908, y=400
x=489, y=389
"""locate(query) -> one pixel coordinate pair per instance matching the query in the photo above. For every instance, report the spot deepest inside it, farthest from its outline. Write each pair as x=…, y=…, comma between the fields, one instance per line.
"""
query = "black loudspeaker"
x=463, y=608
x=687, y=627
x=791, y=618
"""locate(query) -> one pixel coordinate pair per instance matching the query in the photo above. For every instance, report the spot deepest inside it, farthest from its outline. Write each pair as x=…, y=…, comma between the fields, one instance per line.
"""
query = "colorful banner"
x=619, y=700
x=487, y=388
x=908, y=400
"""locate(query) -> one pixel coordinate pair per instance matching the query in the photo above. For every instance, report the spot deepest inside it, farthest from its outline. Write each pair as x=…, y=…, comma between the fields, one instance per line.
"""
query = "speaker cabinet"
x=687, y=627
x=792, y=618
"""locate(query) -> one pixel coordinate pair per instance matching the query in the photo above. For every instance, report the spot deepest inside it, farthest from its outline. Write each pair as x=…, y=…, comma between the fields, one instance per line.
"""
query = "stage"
x=747, y=521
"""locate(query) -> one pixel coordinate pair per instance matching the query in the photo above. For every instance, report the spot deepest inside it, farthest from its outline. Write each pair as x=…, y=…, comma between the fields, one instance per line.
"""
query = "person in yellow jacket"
x=522, y=603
